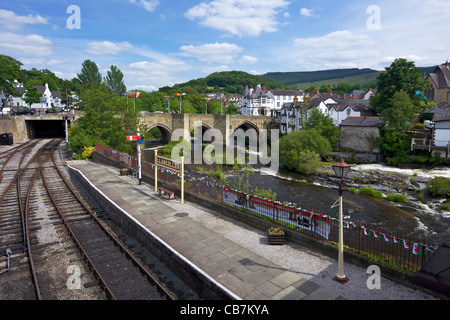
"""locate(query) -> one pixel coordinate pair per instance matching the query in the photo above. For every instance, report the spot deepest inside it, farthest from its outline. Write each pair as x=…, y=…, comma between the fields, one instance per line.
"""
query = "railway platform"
x=243, y=272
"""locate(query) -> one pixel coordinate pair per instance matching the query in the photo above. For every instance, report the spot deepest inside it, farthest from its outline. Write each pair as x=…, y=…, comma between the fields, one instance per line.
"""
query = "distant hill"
x=302, y=80
x=293, y=78
x=234, y=82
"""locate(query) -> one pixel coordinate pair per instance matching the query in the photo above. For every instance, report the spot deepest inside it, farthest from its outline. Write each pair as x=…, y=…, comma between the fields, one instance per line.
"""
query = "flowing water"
x=419, y=220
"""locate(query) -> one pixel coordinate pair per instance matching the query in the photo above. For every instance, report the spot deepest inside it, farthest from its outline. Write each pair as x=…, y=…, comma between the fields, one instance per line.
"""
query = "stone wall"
x=16, y=126
x=359, y=139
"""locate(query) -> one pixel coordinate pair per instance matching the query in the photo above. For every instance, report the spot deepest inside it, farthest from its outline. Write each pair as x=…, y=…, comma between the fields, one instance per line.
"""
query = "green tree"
x=114, y=81
x=402, y=75
x=400, y=112
x=302, y=150
x=89, y=73
x=9, y=71
x=324, y=124
x=106, y=120
x=32, y=96
x=397, y=116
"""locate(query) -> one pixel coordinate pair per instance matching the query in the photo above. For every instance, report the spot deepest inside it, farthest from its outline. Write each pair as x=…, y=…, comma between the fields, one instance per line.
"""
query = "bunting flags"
x=414, y=247
x=417, y=249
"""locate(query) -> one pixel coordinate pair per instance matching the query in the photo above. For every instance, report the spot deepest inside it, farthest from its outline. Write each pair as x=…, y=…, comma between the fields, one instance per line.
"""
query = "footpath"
x=237, y=257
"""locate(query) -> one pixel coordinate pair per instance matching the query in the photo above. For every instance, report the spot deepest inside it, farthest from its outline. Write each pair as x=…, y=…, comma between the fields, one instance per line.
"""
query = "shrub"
x=445, y=206
x=370, y=192
x=352, y=190
x=401, y=198
x=439, y=187
x=87, y=153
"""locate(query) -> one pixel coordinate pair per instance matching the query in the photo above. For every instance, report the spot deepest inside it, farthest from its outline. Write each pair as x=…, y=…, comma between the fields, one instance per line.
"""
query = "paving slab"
x=243, y=272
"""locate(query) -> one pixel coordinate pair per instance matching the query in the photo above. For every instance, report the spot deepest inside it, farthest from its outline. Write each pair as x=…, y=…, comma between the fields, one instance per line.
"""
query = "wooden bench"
x=166, y=190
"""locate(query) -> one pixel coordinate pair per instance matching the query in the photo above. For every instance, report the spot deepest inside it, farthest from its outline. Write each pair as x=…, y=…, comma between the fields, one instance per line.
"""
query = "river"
x=420, y=220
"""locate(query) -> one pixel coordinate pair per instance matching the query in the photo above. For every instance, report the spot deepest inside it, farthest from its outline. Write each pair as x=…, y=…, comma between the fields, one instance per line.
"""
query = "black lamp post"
x=341, y=170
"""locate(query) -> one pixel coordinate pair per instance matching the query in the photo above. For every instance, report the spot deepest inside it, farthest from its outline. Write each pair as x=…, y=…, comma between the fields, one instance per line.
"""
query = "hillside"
x=293, y=78
x=228, y=81
x=303, y=80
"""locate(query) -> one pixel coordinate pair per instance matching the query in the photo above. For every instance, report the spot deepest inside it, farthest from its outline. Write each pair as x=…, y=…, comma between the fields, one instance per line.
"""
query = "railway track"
x=52, y=243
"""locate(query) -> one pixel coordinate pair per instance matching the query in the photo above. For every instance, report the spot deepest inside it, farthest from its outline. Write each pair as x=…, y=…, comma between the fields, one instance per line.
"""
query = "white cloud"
x=338, y=49
x=439, y=7
x=239, y=17
x=11, y=21
x=32, y=45
x=306, y=12
x=149, y=5
x=248, y=60
x=211, y=53
x=156, y=73
x=336, y=39
x=107, y=47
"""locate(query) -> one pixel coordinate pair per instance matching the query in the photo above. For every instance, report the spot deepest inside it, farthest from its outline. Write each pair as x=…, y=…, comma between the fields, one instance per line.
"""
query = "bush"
x=87, y=153
x=401, y=198
x=445, y=206
x=370, y=192
x=353, y=190
x=439, y=187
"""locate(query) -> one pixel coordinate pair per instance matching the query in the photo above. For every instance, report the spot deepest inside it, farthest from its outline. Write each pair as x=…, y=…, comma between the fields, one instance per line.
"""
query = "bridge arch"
x=166, y=132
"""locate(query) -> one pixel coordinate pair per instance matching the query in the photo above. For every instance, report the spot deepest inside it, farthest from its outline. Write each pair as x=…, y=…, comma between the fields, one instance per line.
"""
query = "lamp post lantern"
x=341, y=170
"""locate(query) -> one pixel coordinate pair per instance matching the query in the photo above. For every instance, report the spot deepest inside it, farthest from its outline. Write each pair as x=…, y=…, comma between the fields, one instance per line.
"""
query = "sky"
x=158, y=43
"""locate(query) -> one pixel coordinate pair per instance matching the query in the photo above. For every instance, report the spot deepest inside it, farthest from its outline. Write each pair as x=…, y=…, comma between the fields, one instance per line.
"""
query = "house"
x=290, y=117
x=360, y=134
x=438, y=86
x=441, y=120
x=361, y=95
x=49, y=98
x=260, y=101
x=340, y=109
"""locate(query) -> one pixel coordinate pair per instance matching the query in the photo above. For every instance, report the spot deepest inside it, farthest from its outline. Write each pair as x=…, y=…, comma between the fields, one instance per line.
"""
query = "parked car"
x=21, y=112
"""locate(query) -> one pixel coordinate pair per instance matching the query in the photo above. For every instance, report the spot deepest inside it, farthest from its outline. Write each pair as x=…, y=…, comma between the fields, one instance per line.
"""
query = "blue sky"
x=159, y=43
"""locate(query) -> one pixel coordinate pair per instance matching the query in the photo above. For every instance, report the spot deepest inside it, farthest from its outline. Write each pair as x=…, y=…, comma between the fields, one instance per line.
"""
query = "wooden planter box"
x=276, y=238
x=124, y=172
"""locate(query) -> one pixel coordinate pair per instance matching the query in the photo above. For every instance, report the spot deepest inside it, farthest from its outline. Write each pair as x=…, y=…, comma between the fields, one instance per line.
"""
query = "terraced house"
x=260, y=101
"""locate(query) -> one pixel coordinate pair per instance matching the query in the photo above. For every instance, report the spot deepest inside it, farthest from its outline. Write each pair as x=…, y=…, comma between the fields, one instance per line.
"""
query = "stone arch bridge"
x=167, y=123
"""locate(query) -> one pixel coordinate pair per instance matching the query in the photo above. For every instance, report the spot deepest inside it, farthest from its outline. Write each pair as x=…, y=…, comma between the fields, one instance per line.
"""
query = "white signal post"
x=182, y=180
x=139, y=157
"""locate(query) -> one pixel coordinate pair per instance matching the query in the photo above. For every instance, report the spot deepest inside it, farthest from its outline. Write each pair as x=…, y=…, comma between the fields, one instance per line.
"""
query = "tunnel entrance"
x=46, y=128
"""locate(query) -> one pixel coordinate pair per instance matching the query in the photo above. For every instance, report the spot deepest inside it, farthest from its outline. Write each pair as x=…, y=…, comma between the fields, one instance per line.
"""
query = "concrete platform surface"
x=236, y=256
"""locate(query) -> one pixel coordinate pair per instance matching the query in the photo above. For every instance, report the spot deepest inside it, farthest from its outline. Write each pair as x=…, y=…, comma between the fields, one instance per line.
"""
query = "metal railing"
x=384, y=247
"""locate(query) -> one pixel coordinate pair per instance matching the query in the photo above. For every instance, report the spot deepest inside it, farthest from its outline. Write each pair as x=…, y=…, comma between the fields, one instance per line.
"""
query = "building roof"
x=441, y=111
x=362, y=122
x=286, y=92
x=441, y=76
